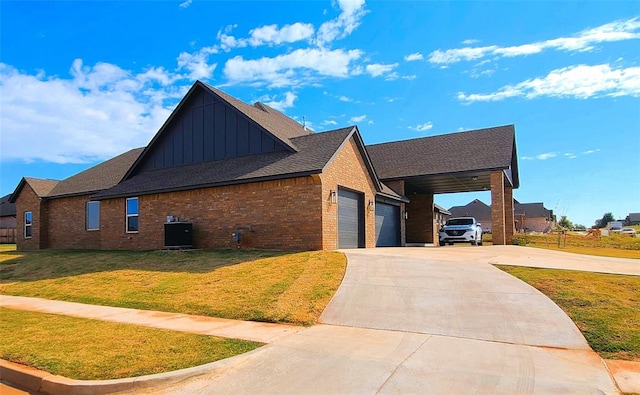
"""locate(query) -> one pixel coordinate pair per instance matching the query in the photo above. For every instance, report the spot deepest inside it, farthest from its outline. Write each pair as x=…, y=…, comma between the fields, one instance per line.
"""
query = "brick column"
x=419, y=225
x=509, y=218
x=498, y=208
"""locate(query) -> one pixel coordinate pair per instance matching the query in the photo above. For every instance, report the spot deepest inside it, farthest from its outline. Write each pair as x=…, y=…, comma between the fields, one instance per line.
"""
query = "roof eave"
x=209, y=185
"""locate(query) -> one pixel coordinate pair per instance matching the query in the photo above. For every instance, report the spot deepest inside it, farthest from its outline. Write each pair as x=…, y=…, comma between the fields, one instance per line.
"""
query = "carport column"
x=509, y=216
x=419, y=224
x=498, y=208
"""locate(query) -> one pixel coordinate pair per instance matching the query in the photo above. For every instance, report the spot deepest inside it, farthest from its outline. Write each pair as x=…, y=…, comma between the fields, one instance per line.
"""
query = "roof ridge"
x=445, y=134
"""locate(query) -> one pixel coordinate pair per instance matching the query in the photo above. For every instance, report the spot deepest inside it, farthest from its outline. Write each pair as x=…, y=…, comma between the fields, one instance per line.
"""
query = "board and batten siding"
x=207, y=129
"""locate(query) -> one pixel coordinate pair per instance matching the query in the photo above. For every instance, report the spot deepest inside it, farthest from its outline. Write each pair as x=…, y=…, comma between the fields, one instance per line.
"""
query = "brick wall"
x=28, y=201
x=67, y=224
x=347, y=169
x=420, y=222
x=284, y=214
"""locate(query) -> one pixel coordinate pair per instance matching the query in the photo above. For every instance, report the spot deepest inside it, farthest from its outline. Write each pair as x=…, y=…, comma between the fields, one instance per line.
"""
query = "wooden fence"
x=8, y=235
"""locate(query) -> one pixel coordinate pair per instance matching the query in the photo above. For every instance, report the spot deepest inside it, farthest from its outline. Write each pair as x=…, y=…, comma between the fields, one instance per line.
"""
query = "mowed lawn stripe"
x=268, y=286
x=85, y=349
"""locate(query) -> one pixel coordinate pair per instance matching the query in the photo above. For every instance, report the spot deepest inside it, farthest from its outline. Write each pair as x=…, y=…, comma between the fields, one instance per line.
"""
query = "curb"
x=31, y=379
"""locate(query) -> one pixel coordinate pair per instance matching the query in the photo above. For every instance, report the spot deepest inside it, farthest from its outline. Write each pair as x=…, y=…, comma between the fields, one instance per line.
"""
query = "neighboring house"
x=529, y=217
x=533, y=217
x=7, y=220
x=632, y=219
x=477, y=209
x=440, y=215
x=230, y=168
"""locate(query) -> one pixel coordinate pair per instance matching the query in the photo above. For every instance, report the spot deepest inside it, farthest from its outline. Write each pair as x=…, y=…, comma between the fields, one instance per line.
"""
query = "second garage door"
x=350, y=219
x=387, y=225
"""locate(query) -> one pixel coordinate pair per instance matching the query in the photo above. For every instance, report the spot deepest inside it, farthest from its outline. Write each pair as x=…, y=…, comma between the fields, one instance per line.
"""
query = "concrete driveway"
x=414, y=320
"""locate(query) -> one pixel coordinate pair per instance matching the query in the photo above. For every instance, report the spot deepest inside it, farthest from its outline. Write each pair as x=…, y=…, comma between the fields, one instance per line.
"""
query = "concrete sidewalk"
x=245, y=330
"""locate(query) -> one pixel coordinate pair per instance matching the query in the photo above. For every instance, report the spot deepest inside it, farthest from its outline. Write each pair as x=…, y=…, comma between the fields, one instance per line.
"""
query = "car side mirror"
x=478, y=224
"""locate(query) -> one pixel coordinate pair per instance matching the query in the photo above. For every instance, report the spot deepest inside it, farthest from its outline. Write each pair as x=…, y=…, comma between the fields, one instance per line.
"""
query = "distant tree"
x=565, y=223
x=606, y=218
x=579, y=227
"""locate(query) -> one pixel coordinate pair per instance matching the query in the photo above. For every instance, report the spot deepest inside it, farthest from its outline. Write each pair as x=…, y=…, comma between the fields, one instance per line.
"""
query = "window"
x=93, y=215
x=28, y=222
x=132, y=215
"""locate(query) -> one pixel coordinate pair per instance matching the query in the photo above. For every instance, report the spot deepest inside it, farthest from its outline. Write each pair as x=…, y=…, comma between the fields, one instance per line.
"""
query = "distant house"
x=247, y=175
x=440, y=215
x=477, y=209
x=533, y=217
x=8, y=221
x=633, y=219
x=529, y=217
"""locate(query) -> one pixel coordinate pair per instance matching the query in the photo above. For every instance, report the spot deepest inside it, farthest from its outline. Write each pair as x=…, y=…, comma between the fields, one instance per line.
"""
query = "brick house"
x=529, y=217
x=227, y=167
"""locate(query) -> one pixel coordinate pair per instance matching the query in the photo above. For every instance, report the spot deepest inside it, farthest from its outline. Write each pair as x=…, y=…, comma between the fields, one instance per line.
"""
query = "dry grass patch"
x=605, y=307
x=615, y=245
x=252, y=285
x=85, y=349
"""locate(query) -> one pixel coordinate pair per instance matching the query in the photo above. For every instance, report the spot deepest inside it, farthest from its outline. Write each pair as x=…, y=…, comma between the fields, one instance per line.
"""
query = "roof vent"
x=261, y=106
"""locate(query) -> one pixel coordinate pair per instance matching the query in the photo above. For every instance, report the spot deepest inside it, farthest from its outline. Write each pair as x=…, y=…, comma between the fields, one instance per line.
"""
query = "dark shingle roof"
x=7, y=209
x=491, y=148
x=531, y=210
x=275, y=122
x=314, y=152
x=99, y=177
x=476, y=208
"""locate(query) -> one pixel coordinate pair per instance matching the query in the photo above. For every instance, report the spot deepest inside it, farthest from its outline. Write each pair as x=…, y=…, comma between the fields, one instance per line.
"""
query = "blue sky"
x=84, y=81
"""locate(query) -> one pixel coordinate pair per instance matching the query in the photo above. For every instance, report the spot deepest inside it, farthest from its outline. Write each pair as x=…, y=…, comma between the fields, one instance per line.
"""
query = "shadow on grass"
x=17, y=266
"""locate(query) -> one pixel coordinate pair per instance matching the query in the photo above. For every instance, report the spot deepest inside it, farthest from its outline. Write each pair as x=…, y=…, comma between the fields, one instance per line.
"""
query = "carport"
x=470, y=161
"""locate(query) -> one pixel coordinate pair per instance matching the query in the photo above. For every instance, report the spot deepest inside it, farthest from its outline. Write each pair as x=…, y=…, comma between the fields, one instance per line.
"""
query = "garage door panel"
x=350, y=229
x=387, y=225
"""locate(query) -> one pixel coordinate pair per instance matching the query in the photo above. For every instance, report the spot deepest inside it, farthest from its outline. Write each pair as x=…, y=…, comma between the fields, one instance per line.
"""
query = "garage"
x=387, y=225
x=350, y=219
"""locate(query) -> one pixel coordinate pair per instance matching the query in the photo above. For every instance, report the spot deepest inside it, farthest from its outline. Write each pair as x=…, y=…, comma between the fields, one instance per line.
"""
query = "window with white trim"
x=132, y=215
x=93, y=216
x=28, y=224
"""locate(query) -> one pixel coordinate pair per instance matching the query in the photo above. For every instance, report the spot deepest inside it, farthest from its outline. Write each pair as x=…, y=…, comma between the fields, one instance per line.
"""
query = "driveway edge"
x=31, y=379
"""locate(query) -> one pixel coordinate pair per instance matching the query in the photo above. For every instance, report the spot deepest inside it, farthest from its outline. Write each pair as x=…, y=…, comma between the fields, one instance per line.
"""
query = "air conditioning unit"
x=178, y=235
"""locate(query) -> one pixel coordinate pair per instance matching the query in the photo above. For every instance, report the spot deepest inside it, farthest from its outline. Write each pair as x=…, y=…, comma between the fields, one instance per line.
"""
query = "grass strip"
x=85, y=349
x=605, y=307
x=254, y=285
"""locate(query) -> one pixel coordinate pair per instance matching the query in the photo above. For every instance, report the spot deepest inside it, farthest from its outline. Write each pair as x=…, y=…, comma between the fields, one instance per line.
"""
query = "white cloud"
x=580, y=42
x=591, y=151
x=266, y=35
x=345, y=99
x=352, y=12
x=358, y=119
x=370, y=122
x=286, y=102
x=99, y=112
x=186, y=3
x=413, y=57
x=197, y=63
x=422, y=127
x=579, y=82
x=470, y=42
x=570, y=155
x=292, y=68
x=330, y=122
x=378, y=69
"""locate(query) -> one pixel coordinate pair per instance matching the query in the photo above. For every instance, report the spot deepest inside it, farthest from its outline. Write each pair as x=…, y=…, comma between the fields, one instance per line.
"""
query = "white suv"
x=461, y=230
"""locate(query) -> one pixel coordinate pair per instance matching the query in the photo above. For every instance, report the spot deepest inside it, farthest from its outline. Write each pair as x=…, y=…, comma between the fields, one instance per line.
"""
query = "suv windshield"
x=460, y=221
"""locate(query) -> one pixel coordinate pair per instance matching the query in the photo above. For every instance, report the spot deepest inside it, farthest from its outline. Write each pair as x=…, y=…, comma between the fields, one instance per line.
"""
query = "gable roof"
x=99, y=177
x=482, y=149
x=532, y=210
x=314, y=153
x=282, y=128
x=275, y=122
x=7, y=209
x=634, y=217
x=476, y=208
x=40, y=186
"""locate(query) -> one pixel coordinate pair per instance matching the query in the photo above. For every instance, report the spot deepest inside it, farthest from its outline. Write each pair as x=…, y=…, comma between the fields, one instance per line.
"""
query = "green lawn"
x=605, y=307
x=253, y=285
x=85, y=349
